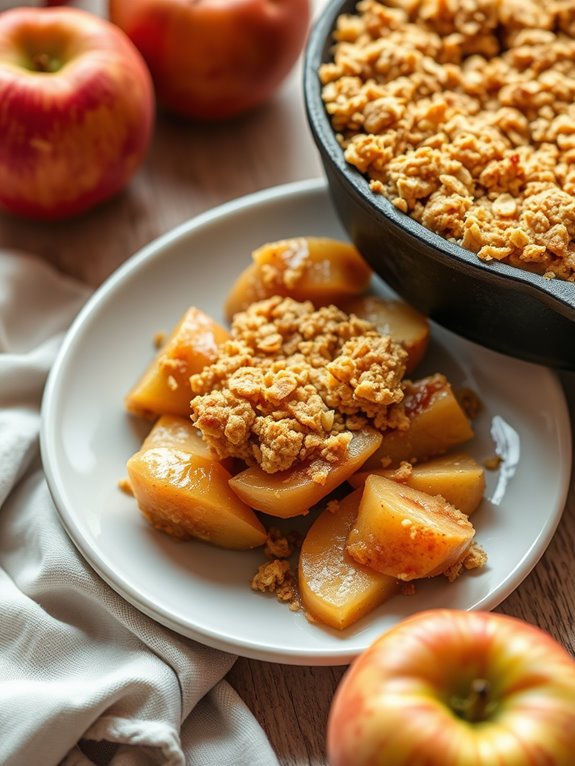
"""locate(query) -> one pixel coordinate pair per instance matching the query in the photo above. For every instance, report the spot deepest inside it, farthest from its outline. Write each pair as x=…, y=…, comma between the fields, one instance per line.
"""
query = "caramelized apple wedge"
x=294, y=491
x=437, y=423
x=458, y=478
x=188, y=496
x=405, y=533
x=178, y=432
x=397, y=319
x=316, y=269
x=335, y=589
x=164, y=387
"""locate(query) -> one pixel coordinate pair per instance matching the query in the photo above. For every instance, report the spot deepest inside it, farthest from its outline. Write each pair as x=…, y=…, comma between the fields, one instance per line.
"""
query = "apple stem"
x=42, y=62
x=479, y=699
x=474, y=707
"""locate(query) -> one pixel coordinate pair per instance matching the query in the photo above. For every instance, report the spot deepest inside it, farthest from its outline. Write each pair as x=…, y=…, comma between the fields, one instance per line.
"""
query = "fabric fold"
x=85, y=678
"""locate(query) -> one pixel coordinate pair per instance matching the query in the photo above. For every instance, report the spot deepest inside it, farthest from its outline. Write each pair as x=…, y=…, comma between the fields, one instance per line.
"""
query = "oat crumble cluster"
x=293, y=383
x=462, y=113
x=277, y=575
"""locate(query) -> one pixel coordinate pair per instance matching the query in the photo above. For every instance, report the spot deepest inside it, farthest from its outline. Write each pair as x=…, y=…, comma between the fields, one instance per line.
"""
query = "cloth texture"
x=85, y=678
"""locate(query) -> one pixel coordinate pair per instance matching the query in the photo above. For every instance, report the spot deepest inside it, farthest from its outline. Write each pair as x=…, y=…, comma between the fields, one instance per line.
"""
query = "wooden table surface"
x=192, y=168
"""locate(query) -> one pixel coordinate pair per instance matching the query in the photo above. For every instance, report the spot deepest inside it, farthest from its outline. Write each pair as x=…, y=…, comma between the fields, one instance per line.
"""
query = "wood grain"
x=192, y=168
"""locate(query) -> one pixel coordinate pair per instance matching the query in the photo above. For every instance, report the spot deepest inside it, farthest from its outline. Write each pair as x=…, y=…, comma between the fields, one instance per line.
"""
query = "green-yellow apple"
x=213, y=59
x=76, y=111
x=454, y=688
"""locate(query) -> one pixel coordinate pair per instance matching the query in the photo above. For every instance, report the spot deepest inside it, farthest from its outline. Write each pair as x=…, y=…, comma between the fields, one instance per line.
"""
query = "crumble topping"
x=289, y=262
x=475, y=558
x=293, y=383
x=463, y=115
x=469, y=401
x=493, y=462
x=276, y=575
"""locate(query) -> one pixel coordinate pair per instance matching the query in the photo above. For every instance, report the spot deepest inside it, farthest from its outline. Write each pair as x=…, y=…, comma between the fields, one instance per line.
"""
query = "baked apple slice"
x=164, y=388
x=188, y=496
x=316, y=269
x=178, y=432
x=294, y=491
x=405, y=533
x=334, y=588
x=437, y=422
x=457, y=477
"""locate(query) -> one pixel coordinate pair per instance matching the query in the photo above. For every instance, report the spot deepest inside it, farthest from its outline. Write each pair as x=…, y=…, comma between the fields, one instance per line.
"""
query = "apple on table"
x=448, y=687
x=214, y=59
x=77, y=113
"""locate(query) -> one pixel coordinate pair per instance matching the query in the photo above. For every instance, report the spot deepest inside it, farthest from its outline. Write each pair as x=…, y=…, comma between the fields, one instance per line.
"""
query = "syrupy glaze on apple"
x=418, y=398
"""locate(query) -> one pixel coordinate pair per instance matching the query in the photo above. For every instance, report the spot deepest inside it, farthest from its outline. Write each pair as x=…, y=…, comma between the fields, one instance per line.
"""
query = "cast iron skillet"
x=496, y=305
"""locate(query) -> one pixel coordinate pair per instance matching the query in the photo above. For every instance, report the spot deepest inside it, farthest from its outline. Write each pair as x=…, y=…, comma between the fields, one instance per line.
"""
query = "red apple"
x=213, y=59
x=76, y=111
x=5, y=4
x=454, y=688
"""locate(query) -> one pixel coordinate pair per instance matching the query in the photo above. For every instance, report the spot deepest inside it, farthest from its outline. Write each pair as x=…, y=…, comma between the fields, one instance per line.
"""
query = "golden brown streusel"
x=469, y=401
x=407, y=589
x=475, y=558
x=159, y=339
x=293, y=383
x=277, y=577
x=281, y=545
x=492, y=462
x=125, y=486
x=463, y=115
x=402, y=472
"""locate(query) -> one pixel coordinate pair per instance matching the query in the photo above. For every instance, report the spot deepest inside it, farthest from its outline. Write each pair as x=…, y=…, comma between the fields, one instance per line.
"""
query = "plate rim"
x=150, y=252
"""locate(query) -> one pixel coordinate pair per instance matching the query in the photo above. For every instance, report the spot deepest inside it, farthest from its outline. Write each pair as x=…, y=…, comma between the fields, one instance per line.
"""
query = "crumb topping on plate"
x=294, y=383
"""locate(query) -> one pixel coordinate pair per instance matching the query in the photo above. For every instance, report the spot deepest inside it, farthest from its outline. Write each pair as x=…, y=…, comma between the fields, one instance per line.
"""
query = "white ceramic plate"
x=203, y=592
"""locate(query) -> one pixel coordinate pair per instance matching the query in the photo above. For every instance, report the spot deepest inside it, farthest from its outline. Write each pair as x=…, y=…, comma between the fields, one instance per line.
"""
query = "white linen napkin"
x=84, y=677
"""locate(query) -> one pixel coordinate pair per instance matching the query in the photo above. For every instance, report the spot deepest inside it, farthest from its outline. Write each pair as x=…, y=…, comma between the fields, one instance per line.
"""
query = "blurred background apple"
x=77, y=111
x=214, y=59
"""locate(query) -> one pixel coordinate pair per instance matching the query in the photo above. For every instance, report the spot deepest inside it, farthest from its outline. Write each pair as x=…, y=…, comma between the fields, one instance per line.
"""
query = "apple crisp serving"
x=293, y=383
x=462, y=113
x=303, y=407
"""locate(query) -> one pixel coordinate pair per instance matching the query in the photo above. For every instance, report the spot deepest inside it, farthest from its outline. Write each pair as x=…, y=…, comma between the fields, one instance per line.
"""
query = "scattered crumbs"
x=125, y=486
x=402, y=472
x=280, y=545
x=493, y=462
x=407, y=589
x=159, y=339
x=276, y=575
x=469, y=401
x=333, y=506
x=475, y=558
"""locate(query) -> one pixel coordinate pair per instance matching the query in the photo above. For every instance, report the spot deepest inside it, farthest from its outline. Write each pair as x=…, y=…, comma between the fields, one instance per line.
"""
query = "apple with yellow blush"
x=455, y=688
